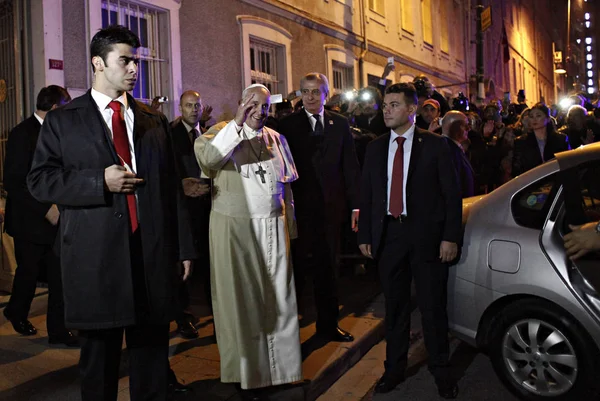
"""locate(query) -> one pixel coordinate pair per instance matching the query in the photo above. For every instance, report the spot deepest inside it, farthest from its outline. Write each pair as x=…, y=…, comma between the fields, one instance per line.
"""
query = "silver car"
x=515, y=294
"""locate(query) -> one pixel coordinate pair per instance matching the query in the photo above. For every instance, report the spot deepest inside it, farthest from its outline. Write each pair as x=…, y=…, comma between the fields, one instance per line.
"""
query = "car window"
x=530, y=206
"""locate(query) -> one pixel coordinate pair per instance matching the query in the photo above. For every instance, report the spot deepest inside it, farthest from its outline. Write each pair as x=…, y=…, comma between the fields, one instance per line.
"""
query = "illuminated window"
x=444, y=45
x=590, y=74
x=377, y=6
x=588, y=48
x=588, y=41
x=590, y=90
x=590, y=82
x=587, y=24
x=578, y=41
x=407, y=18
x=589, y=66
x=426, y=21
x=588, y=57
x=263, y=64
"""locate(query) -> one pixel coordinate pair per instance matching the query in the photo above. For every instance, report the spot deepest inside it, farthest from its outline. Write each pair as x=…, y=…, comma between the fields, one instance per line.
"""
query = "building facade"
x=220, y=46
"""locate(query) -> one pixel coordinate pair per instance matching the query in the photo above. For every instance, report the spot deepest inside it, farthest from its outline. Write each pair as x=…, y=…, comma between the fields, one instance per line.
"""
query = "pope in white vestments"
x=251, y=224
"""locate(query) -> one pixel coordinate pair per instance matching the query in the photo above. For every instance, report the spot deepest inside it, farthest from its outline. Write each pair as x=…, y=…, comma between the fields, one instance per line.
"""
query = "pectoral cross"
x=262, y=173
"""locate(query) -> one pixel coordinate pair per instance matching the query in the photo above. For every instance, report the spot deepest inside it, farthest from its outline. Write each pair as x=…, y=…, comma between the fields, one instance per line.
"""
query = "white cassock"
x=251, y=223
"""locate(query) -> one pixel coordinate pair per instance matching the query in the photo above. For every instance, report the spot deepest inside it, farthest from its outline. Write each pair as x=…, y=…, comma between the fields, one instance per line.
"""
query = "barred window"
x=146, y=23
x=343, y=77
x=263, y=64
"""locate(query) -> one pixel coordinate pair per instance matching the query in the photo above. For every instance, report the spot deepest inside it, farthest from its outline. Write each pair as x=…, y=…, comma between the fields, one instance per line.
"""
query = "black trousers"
x=315, y=254
x=148, y=349
x=31, y=258
x=147, y=346
x=401, y=259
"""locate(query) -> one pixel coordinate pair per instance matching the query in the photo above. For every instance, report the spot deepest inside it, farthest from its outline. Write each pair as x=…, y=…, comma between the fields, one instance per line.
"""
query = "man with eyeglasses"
x=328, y=170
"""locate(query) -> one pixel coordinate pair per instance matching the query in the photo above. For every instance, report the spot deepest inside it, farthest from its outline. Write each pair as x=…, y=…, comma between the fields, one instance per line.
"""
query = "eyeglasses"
x=315, y=92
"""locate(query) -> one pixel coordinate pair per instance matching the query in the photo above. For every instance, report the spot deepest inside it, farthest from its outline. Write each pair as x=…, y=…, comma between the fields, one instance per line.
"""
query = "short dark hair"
x=103, y=41
x=410, y=93
x=51, y=95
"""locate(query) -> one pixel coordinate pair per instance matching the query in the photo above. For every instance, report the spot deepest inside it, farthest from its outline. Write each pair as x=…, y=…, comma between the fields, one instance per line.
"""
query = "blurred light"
x=350, y=95
x=590, y=82
x=587, y=16
x=578, y=41
x=367, y=95
x=587, y=24
x=588, y=40
x=590, y=74
x=590, y=90
x=588, y=57
x=588, y=48
x=565, y=103
x=589, y=66
x=560, y=70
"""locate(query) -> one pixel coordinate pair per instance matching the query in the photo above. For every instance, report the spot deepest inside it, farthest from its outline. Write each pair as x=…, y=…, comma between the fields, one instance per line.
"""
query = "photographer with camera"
x=426, y=90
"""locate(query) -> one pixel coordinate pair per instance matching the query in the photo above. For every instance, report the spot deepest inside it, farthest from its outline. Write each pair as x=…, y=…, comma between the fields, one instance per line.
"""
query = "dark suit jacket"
x=24, y=216
x=328, y=169
x=464, y=171
x=74, y=149
x=434, y=206
x=199, y=208
x=527, y=155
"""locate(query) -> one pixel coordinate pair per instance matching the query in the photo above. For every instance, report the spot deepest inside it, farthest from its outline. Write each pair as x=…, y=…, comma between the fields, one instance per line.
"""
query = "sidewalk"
x=30, y=370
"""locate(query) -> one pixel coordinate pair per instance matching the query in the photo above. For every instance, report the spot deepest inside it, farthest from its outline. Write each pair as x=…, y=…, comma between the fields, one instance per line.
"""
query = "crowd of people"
x=122, y=206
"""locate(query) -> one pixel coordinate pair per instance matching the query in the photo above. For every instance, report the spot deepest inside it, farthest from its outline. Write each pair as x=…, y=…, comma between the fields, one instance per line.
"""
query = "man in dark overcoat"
x=107, y=161
x=324, y=153
x=33, y=226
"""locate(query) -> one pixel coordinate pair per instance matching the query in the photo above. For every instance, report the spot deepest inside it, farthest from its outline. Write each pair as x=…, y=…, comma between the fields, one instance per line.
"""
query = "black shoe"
x=177, y=387
x=448, y=391
x=387, y=383
x=23, y=327
x=67, y=338
x=336, y=334
x=186, y=329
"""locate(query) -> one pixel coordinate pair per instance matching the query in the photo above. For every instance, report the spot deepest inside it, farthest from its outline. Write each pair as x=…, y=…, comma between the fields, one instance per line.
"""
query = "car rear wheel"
x=540, y=354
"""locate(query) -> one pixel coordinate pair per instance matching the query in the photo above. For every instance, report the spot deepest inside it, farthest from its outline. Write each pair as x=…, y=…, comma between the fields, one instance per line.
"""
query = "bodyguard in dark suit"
x=323, y=150
x=107, y=161
x=410, y=223
x=455, y=129
x=196, y=189
x=32, y=224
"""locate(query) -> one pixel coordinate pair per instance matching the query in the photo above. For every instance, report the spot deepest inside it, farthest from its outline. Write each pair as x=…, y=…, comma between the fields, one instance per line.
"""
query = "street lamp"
x=558, y=69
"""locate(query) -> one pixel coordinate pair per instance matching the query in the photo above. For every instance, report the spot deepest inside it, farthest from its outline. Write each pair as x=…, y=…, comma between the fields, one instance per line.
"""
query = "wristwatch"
x=598, y=228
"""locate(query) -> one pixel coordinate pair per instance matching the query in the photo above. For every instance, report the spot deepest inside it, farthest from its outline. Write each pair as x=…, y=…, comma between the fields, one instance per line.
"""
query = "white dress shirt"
x=312, y=119
x=392, y=148
x=102, y=102
x=40, y=119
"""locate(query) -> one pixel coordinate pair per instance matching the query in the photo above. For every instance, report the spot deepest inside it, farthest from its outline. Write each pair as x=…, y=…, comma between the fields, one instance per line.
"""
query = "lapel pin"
x=420, y=139
x=330, y=122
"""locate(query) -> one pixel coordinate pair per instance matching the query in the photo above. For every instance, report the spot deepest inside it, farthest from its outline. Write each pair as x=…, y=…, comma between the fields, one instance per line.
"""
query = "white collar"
x=320, y=113
x=103, y=100
x=251, y=133
x=408, y=134
x=40, y=119
x=189, y=127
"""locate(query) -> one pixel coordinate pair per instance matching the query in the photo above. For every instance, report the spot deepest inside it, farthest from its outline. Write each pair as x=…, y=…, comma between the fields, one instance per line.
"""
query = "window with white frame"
x=263, y=64
x=148, y=24
x=377, y=6
x=266, y=54
x=343, y=77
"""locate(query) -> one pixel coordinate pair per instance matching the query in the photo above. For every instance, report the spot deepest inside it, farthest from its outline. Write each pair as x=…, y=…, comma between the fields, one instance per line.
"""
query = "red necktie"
x=397, y=190
x=122, y=147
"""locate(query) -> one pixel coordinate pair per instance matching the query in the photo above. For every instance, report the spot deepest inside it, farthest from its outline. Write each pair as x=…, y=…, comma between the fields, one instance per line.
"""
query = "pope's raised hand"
x=244, y=109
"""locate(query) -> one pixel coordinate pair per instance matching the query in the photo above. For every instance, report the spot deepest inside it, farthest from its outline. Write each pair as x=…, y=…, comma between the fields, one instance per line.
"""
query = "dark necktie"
x=193, y=134
x=122, y=147
x=318, y=131
x=397, y=190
